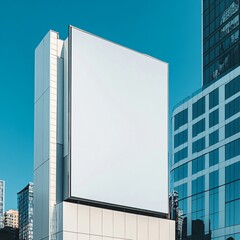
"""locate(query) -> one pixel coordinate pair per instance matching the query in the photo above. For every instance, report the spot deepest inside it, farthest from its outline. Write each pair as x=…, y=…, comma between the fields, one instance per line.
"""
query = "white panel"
x=153, y=228
x=118, y=224
x=59, y=102
x=38, y=71
x=131, y=226
x=172, y=230
x=38, y=133
x=37, y=202
x=96, y=221
x=119, y=125
x=83, y=237
x=45, y=198
x=70, y=236
x=107, y=223
x=142, y=226
x=164, y=229
x=45, y=126
x=108, y=238
x=70, y=216
x=46, y=62
x=83, y=219
x=92, y=237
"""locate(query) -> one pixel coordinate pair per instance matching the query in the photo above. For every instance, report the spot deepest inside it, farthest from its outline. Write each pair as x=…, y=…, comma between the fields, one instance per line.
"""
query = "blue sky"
x=168, y=30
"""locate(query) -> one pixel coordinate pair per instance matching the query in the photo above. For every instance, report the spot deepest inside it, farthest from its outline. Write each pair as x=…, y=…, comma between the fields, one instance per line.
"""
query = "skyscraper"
x=2, y=204
x=205, y=154
x=25, y=209
x=221, y=52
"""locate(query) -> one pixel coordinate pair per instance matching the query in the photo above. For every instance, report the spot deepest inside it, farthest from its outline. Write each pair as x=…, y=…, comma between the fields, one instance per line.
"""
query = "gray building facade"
x=25, y=210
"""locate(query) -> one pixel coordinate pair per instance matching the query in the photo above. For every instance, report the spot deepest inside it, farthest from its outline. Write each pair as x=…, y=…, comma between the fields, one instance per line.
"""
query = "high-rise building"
x=205, y=154
x=100, y=141
x=11, y=218
x=221, y=51
x=2, y=203
x=25, y=211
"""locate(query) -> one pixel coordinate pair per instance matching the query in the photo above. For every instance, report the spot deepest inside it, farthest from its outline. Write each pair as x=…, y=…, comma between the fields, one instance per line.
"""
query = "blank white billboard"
x=118, y=125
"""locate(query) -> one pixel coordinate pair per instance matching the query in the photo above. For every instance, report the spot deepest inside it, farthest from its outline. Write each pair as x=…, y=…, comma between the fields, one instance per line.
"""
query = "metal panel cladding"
x=118, y=125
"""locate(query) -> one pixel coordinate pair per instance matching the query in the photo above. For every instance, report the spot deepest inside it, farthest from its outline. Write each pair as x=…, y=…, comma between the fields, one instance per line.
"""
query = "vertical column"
x=53, y=129
x=206, y=219
x=222, y=157
x=45, y=136
x=189, y=199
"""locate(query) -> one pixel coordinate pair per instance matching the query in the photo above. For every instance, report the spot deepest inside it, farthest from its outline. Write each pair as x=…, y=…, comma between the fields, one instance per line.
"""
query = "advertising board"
x=118, y=125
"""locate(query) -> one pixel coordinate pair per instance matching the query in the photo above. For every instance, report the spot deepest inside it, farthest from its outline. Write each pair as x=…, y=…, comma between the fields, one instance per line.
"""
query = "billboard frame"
x=84, y=201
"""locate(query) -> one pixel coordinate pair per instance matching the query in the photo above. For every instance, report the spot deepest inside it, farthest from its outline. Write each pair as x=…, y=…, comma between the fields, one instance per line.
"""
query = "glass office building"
x=2, y=193
x=205, y=151
x=25, y=211
x=221, y=52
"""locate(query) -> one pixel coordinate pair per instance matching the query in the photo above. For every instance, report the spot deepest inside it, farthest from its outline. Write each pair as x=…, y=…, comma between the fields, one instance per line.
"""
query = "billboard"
x=118, y=125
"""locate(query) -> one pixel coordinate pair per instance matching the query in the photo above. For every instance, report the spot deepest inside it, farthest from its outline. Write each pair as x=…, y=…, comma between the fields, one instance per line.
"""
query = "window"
x=181, y=172
x=182, y=197
x=232, y=172
x=232, y=87
x=232, y=213
x=213, y=157
x=198, y=185
x=232, y=149
x=198, y=164
x=182, y=191
x=232, y=194
x=180, y=138
x=180, y=119
x=232, y=108
x=213, y=138
x=213, y=118
x=214, y=208
x=198, y=199
x=198, y=108
x=198, y=145
x=180, y=155
x=213, y=179
x=198, y=127
x=232, y=128
x=213, y=98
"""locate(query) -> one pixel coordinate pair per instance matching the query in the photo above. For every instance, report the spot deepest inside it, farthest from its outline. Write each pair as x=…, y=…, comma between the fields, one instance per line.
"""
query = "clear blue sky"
x=168, y=30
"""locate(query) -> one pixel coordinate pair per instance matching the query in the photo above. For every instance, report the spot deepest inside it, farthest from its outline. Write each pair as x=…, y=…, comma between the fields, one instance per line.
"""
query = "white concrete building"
x=100, y=147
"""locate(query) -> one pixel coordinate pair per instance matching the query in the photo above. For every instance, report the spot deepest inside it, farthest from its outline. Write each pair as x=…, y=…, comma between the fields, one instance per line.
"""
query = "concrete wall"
x=79, y=222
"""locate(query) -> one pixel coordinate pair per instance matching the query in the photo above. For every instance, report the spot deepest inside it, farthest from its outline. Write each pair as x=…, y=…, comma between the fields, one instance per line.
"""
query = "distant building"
x=2, y=196
x=25, y=209
x=11, y=218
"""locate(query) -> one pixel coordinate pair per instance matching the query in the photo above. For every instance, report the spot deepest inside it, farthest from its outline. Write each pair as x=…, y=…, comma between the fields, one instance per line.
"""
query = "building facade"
x=205, y=157
x=2, y=203
x=221, y=52
x=56, y=217
x=11, y=218
x=25, y=211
